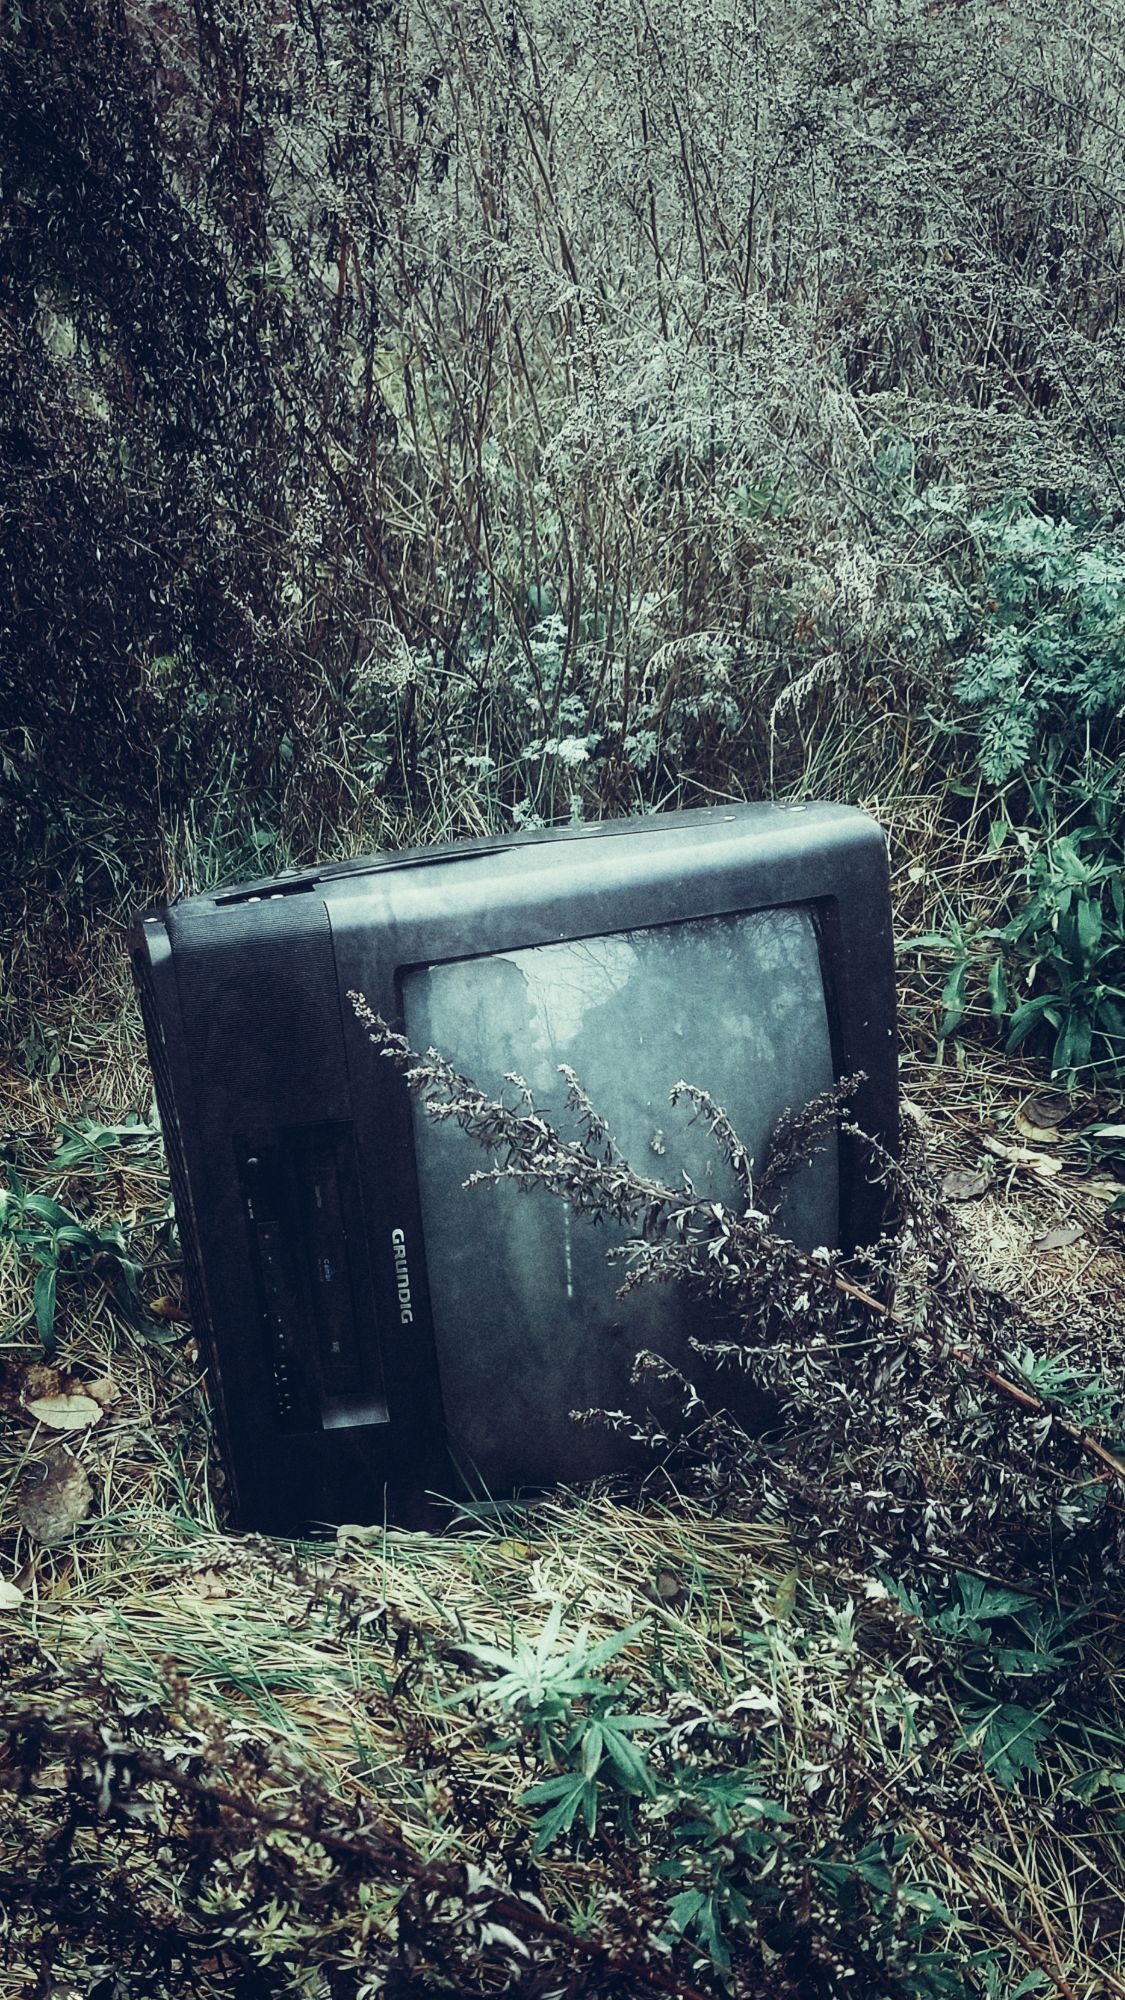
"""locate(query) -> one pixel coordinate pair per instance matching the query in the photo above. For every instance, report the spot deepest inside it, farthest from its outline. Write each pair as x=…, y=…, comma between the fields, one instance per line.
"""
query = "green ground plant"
x=1033, y=609
x=581, y=1751
x=428, y=420
x=35, y=1228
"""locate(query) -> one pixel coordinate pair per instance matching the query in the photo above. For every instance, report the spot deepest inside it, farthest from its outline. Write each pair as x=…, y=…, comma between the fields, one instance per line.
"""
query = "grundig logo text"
x=402, y=1275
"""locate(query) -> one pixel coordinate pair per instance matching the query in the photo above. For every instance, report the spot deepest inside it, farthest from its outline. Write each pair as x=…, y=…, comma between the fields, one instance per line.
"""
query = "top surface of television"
x=375, y=1331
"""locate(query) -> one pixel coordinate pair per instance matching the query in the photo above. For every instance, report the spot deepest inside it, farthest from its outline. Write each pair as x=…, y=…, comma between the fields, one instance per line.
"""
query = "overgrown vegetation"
x=835, y=1711
x=439, y=418
x=425, y=421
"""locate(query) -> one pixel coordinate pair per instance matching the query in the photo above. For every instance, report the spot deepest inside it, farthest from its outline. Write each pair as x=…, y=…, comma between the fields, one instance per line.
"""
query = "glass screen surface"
x=527, y=1322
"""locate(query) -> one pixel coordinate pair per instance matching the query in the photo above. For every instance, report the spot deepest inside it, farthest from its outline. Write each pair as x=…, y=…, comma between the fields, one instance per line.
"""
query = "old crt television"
x=374, y=1332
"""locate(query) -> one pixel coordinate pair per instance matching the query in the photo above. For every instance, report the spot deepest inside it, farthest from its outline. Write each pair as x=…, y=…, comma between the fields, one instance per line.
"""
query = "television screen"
x=733, y=1003
x=374, y=1334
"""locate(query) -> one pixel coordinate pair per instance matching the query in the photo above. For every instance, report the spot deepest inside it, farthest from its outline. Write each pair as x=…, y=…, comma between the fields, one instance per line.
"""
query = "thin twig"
x=379, y=1843
x=1027, y=1400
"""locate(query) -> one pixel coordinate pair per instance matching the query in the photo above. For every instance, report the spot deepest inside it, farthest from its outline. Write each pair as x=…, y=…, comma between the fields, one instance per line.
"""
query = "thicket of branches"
x=417, y=415
x=822, y=1820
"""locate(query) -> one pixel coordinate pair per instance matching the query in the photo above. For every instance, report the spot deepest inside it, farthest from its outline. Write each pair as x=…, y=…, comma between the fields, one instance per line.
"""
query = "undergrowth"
x=425, y=420
x=420, y=421
x=831, y=1710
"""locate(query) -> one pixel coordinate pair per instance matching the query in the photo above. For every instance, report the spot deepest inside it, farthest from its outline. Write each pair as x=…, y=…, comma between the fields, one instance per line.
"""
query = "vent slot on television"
x=304, y=1214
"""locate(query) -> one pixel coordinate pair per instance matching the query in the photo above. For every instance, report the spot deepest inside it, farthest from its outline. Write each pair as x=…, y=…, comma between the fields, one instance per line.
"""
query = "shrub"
x=410, y=424
x=1032, y=607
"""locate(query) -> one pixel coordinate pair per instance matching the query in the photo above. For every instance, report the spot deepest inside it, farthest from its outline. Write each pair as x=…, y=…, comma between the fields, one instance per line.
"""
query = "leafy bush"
x=1043, y=622
x=1070, y=936
x=35, y=1228
x=411, y=426
x=1032, y=609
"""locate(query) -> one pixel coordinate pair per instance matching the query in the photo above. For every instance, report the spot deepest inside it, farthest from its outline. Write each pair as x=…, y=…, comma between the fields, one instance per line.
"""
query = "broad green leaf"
x=1043, y=1006
x=74, y=1236
x=48, y=1211
x=953, y=1000
x=1089, y=925
x=998, y=989
x=45, y=1298
x=592, y=1743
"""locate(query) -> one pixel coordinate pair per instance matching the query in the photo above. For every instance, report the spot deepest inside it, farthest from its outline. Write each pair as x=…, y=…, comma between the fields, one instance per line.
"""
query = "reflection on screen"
x=527, y=1323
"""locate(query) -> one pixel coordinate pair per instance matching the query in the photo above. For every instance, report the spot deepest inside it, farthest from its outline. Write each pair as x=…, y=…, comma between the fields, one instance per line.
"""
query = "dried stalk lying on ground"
x=898, y=1404
x=312, y=1856
x=848, y=1718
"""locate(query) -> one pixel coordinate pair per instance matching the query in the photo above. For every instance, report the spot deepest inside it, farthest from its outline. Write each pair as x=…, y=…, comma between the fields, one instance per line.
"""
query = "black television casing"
x=268, y=1086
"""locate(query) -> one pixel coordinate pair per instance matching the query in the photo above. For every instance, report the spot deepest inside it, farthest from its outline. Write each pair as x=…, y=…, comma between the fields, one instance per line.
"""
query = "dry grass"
x=302, y=1650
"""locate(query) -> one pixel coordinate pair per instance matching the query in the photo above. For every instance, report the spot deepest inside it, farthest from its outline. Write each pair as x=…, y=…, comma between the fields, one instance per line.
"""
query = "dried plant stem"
x=973, y=1887
x=1026, y=1399
x=379, y=1846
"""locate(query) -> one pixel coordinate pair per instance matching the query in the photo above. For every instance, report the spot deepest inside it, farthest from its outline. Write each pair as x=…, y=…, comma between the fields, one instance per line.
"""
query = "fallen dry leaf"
x=11, y=1596
x=962, y=1183
x=104, y=1391
x=1044, y=1113
x=509, y=1546
x=1040, y=1135
x=207, y=1584
x=353, y=1531
x=1060, y=1239
x=55, y=1497
x=65, y=1413
x=37, y=1379
x=169, y=1308
x=1022, y=1156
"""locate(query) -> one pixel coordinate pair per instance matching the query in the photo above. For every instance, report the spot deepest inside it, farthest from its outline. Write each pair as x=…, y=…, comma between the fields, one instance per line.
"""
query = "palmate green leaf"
x=985, y=1600
x=628, y=1764
x=696, y=1911
x=1103, y=1779
x=1025, y=1660
x=685, y=1907
x=607, y=1649
x=571, y=1792
x=1008, y=1737
x=548, y=1637
x=906, y=1598
x=544, y=1676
